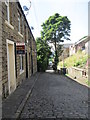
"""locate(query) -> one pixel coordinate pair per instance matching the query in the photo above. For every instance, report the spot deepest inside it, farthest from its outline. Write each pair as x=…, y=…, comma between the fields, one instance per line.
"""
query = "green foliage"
x=43, y=54
x=88, y=82
x=82, y=61
x=78, y=60
x=56, y=29
x=77, y=63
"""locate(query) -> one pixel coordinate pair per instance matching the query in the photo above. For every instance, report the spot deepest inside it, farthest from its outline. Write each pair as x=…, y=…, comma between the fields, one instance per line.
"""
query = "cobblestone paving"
x=56, y=96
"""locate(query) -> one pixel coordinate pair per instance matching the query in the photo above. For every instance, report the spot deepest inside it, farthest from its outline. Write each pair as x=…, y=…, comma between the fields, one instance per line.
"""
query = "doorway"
x=11, y=66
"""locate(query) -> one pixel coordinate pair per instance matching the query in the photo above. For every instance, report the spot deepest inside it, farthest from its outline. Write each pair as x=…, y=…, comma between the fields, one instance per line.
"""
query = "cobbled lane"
x=56, y=96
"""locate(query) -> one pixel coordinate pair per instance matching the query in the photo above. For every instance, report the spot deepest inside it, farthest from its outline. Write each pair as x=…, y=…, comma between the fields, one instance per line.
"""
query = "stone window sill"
x=21, y=72
x=9, y=25
x=20, y=34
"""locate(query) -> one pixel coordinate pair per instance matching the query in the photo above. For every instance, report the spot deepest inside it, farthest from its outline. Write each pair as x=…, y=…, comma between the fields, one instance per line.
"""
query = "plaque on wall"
x=20, y=48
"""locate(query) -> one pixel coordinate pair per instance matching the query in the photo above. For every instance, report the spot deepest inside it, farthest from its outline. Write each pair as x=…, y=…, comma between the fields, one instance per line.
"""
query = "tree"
x=59, y=50
x=43, y=54
x=55, y=30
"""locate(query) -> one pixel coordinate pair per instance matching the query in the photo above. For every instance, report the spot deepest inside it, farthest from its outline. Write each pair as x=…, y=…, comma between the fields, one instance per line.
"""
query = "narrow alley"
x=44, y=60
x=56, y=96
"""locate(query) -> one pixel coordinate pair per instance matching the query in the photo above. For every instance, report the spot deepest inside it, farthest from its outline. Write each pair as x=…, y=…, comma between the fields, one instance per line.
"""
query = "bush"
x=42, y=65
x=79, y=59
x=43, y=54
x=65, y=64
x=77, y=63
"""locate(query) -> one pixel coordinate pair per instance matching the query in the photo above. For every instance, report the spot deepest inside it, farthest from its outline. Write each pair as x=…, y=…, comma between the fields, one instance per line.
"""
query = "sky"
x=75, y=10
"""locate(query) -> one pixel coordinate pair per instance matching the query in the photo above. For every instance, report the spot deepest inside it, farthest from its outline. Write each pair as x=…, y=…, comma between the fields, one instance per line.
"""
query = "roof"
x=84, y=39
x=67, y=45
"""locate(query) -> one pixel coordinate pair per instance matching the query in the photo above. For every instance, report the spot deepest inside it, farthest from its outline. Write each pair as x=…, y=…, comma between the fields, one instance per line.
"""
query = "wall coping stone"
x=78, y=68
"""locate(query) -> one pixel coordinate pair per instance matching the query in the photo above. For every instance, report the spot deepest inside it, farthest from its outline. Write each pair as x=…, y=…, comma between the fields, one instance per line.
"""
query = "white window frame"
x=21, y=64
x=22, y=25
x=8, y=11
x=20, y=29
x=19, y=23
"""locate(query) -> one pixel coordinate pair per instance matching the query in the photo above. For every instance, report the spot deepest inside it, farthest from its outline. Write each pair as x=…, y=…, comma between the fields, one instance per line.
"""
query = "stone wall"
x=0, y=60
x=10, y=32
x=34, y=57
x=77, y=73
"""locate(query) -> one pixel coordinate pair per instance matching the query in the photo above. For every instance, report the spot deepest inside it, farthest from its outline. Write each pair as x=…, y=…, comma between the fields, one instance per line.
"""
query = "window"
x=25, y=32
x=83, y=48
x=22, y=26
x=21, y=63
x=8, y=12
x=19, y=23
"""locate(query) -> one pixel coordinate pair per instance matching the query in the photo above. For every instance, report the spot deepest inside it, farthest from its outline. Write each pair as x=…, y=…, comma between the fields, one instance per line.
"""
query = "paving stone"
x=12, y=103
x=53, y=97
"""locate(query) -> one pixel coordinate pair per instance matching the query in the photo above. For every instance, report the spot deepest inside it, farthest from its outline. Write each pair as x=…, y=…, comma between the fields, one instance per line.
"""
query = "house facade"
x=65, y=52
x=87, y=46
x=19, y=58
x=81, y=44
x=72, y=50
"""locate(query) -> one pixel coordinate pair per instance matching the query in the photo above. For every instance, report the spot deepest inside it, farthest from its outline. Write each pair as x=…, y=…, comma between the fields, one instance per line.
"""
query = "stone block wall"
x=0, y=60
x=77, y=73
x=10, y=32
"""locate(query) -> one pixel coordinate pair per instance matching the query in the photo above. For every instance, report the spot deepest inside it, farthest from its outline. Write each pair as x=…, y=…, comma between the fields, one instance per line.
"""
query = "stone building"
x=87, y=46
x=79, y=45
x=72, y=50
x=65, y=51
x=17, y=46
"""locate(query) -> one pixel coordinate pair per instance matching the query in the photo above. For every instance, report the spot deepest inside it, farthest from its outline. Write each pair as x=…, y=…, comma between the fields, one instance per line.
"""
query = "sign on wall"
x=20, y=48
